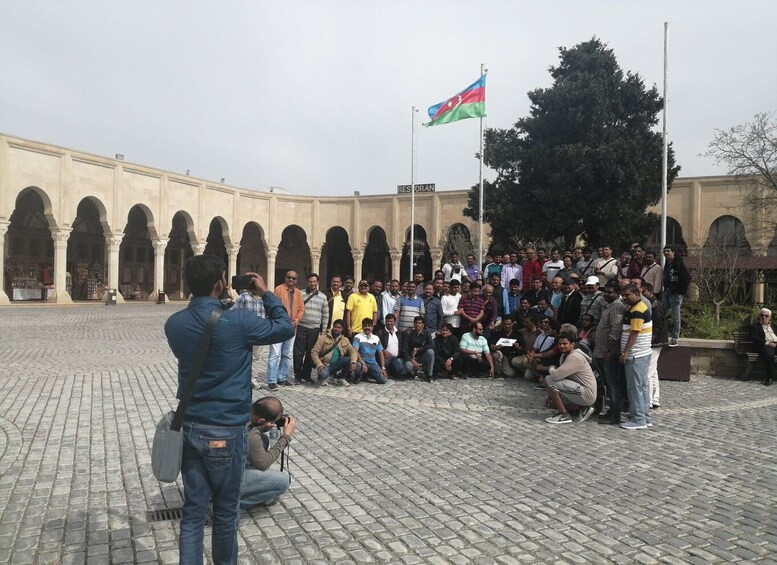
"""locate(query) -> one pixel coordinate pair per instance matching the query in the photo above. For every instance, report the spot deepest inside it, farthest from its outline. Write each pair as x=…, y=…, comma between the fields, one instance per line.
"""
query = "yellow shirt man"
x=361, y=305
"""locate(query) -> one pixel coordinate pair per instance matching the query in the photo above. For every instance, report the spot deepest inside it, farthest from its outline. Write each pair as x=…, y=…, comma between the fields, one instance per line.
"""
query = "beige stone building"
x=73, y=225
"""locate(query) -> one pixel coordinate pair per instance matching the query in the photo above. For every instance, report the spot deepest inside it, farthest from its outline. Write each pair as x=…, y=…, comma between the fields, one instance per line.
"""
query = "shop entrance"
x=377, y=261
x=136, y=257
x=252, y=256
x=29, y=272
x=86, y=254
x=336, y=255
x=293, y=254
x=178, y=250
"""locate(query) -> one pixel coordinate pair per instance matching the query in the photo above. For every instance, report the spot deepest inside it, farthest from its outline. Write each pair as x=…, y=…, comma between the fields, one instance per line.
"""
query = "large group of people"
x=585, y=325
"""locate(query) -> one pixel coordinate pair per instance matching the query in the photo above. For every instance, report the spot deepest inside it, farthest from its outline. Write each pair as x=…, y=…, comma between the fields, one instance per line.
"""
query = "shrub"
x=699, y=320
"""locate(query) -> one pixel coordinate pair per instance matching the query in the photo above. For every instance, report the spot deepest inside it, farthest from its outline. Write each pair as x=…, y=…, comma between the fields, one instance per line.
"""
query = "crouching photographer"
x=260, y=485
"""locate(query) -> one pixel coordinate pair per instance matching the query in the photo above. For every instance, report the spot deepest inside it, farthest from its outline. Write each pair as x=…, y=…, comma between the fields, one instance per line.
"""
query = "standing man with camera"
x=214, y=427
x=260, y=485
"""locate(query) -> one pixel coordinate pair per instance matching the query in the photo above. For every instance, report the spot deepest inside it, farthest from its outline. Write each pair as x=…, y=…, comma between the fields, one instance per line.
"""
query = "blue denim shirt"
x=222, y=394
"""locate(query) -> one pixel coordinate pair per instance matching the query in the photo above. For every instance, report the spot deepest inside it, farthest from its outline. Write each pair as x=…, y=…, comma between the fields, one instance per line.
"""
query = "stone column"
x=315, y=261
x=232, y=252
x=60, y=237
x=160, y=245
x=3, y=230
x=396, y=259
x=358, y=259
x=113, y=244
x=436, y=253
x=198, y=248
x=272, y=253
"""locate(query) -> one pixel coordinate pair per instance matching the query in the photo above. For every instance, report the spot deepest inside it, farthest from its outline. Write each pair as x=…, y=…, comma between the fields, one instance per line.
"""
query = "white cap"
x=592, y=280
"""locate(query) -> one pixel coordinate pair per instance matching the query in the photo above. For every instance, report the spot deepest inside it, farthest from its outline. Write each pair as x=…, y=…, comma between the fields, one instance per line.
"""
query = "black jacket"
x=758, y=335
x=413, y=340
x=383, y=335
x=569, y=311
x=676, y=277
x=660, y=329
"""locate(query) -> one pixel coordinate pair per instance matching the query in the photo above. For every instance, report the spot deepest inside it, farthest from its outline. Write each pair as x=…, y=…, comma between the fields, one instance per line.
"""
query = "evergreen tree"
x=587, y=161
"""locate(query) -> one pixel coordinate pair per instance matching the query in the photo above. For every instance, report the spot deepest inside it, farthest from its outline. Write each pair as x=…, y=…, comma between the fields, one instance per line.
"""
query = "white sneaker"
x=559, y=419
x=255, y=383
x=585, y=413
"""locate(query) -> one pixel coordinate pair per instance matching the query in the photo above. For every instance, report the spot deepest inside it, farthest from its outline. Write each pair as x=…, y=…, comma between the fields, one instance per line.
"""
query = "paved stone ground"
x=451, y=472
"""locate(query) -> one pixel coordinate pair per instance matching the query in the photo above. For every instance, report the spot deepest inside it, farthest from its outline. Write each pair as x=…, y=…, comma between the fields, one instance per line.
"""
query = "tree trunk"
x=718, y=304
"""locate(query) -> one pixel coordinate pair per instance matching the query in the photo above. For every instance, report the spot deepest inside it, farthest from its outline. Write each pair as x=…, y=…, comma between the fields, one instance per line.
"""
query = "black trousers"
x=303, y=345
x=767, y=354
x=474, y=367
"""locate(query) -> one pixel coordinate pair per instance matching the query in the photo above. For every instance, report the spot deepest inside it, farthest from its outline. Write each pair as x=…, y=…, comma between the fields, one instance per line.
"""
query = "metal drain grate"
x=163, y=515
x=169, y=514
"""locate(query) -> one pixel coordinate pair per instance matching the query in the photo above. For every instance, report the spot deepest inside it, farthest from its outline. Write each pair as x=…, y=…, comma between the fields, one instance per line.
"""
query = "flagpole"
x=665, y=158
x=480, y=189
x=412, y=194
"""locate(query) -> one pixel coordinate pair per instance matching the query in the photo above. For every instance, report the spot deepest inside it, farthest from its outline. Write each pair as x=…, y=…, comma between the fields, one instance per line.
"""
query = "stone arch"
x=30, y=247
x=48, y=211
x=224, y=226
x=377, y=259
x=293, y=254
x=458, y=239
x=86, y=253
x=422, y=260
x=136, y=254
x=674, y=237
x=216, y=241
x=253, y=250
x=728, y=232
x=179, y=248
x=336, y=256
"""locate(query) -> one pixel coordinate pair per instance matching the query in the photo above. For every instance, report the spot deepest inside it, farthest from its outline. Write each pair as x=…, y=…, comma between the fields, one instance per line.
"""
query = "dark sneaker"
x=559, y=419
x=585, y=413
x=539, y=386
x=272, y=386
x=285, y=383
x=673, y=342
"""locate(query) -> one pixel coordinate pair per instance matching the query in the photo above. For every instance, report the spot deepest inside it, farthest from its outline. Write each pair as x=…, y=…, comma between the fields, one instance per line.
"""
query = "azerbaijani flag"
x=469, y=103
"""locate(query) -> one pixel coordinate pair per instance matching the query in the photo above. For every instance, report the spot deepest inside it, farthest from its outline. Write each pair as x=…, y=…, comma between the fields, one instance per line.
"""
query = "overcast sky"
x=316, y=97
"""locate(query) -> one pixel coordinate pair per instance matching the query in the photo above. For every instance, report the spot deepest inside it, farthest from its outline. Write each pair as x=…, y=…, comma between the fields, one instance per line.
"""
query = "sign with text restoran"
x=405, y=188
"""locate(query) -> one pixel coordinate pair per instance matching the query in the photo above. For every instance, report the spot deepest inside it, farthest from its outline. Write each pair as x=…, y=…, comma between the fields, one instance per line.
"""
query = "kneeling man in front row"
x=572, y=385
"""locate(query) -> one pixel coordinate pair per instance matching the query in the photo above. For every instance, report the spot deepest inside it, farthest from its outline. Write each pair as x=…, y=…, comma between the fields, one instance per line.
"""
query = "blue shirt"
x=222, y=393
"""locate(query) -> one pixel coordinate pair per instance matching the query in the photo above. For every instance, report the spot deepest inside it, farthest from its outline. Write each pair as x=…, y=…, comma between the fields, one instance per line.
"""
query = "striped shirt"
x=638, y=318
x=406, y=309
x=367, y=347
x=316, y=315
x=248, y=301
x=472, y=307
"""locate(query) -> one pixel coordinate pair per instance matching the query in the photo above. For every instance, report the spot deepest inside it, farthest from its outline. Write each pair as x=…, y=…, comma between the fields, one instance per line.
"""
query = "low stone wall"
x=714, y=357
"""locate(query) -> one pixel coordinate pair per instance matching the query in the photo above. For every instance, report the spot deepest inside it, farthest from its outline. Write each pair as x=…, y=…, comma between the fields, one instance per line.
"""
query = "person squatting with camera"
x=261, y=485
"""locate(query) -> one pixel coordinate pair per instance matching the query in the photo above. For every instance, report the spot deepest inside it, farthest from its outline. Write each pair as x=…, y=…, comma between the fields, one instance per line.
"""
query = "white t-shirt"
x=392, y=344
x=550, y=268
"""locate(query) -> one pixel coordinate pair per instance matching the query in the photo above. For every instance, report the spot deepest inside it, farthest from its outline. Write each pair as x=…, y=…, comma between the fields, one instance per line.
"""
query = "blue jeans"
x=280, y=361
x=212, y=467
x=260, y=486
x=673, y=302
x=638, y=385
x=373, y=372
x=342, y=366
x=426, y=359
x=396, y=366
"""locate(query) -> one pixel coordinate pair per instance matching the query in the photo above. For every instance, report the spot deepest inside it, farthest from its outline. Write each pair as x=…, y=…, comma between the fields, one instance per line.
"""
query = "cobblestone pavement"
x=451, y=472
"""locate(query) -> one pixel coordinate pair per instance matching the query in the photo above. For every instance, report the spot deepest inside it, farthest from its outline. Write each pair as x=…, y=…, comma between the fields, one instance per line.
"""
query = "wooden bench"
x=744, y=346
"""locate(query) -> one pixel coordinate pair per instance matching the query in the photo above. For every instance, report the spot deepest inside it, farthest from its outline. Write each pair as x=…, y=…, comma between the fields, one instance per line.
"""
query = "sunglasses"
x=291, y=278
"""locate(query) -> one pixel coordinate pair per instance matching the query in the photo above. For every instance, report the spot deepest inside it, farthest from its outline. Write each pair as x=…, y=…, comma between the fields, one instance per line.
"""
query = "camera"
x=242, y=282
x=281, y=422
